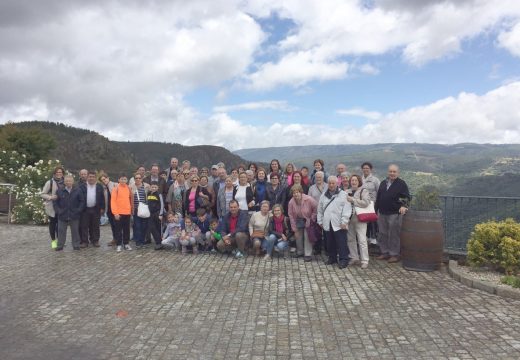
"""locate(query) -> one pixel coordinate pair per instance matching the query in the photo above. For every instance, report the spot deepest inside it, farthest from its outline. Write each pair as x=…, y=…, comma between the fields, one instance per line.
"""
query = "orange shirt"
x=120, y=201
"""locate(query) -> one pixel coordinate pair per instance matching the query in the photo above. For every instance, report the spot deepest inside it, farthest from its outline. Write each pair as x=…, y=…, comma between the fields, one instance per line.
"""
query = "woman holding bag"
x=359, y=197
x=259, y=229
x=48, y=194
x=302, y=212
x=139, y=194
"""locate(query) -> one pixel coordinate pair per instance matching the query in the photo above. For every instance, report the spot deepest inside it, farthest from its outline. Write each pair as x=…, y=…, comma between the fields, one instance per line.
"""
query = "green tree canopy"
x=33, y=143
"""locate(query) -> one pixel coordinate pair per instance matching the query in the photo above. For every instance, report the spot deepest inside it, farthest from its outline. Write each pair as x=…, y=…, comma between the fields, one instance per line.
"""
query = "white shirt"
x=240, y=196
x=91, y=195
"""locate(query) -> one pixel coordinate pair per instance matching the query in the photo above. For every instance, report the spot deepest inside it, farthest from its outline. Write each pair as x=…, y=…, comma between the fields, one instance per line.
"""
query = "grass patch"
x=511, y=280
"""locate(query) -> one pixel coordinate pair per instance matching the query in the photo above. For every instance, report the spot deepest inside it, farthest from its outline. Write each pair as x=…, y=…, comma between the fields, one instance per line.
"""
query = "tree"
x=35, y=144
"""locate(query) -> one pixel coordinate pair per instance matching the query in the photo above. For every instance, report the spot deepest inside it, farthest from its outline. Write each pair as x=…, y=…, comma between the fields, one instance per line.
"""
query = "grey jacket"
x=371, y=183
x=335, y=214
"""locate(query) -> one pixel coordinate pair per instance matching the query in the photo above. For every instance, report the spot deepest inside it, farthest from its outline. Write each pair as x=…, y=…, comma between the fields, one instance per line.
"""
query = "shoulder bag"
x=143, y=211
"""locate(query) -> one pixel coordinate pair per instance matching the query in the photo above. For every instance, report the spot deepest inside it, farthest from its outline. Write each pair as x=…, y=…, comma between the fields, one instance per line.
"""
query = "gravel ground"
x=483, y=274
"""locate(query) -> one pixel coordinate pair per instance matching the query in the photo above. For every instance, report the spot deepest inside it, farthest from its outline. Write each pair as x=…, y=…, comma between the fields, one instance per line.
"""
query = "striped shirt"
x=142, y=197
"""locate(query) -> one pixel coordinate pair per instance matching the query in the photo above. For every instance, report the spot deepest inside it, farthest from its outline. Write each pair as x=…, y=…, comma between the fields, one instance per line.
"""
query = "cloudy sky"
x=258, y=73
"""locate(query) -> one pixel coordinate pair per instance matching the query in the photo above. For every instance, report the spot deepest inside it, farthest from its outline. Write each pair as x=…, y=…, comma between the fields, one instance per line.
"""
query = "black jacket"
x=285, y=225
x=389, y=201
x=277, y=197
x=100, y=195
x=155, y=203
x=198, y=199
x=68, y=206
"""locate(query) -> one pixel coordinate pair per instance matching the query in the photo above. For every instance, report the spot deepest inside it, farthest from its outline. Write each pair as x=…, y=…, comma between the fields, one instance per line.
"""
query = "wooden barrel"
x=422, y=240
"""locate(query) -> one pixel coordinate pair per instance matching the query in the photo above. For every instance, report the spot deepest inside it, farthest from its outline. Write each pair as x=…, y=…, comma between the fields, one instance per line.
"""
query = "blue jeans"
x=282, y=245
x=268, y=244
x=140, y=227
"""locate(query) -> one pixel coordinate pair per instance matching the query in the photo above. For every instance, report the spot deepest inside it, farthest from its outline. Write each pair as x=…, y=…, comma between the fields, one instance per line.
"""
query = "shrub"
x=426, y=199
x=29, y=181
x=497, y=245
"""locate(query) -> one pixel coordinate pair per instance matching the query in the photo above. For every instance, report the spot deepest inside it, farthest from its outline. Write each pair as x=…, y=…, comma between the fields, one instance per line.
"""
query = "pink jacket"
x=307, y=209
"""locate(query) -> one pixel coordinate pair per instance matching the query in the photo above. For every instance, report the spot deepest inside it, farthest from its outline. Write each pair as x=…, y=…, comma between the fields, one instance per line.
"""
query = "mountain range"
x=461, y=169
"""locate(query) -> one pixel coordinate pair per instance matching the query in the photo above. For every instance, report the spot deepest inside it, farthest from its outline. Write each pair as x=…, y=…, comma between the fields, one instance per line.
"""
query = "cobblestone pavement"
x=99, y=304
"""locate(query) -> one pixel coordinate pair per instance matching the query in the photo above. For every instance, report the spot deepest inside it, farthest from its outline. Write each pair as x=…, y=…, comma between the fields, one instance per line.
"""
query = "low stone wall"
x=500, y=290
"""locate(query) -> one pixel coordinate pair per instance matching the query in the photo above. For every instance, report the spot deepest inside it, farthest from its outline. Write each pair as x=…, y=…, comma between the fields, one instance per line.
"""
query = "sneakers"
x=54, y=244
x=127, y=247
x=184, y=250
x=307, y=258
x=354, y=262
x=267, y=257
x=213, y=251
x=119, y=248
x=239, y=255
x=394, y=259
x=383, y=257
x=158, y=247
x=364, y=265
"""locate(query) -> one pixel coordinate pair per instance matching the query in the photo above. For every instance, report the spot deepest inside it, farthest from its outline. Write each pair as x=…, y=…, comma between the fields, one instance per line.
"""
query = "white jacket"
x=337, y=213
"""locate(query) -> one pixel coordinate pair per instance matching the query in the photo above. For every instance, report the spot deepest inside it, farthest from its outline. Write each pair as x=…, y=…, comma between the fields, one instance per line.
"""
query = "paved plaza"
x=99, y=304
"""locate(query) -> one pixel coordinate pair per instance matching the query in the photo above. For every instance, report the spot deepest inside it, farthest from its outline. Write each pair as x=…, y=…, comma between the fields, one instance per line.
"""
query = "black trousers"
x=337, y=245
x=89, y=225
x=53, y=227
x=154, y=226
x=122, y=229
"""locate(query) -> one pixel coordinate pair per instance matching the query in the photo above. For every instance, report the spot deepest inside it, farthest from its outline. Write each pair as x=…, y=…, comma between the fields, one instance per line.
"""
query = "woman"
x=260, y=188
x=258, y=230
x=319, y=165
x=108, y=186
x=204, y=184
x=243, y=193
x=234, y=176
x=305, y=176
x=195, y=197
x=276, y=168
x=289, y=172
x=225, y=195
x=315, y=191
x=344, y=185
x=171, y=179
x=275, y=191
x=253, y=167
x=297, y=180
x=176, y=194
x=371, y=183
x=49, y=195
x=302, y=214
x=359, y=197
x=139, y=191
x=279, y=231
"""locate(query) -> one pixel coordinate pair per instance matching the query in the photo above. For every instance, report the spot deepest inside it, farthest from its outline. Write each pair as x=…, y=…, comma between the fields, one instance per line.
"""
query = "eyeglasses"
x=185, y=173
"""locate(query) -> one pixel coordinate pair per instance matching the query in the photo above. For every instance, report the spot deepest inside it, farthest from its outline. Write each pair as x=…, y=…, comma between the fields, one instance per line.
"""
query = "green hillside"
x=463, y=169
x=79, y=148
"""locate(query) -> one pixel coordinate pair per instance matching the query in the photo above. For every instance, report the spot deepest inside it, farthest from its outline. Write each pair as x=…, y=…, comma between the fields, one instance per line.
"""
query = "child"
x=121, y=205
x=172, y=234
x=156, y=205
x=203, y=222
x=214, y=236
x=189, y=236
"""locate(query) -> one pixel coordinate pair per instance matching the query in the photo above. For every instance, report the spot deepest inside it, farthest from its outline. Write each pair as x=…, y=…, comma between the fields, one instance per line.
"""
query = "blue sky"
x=287, y=72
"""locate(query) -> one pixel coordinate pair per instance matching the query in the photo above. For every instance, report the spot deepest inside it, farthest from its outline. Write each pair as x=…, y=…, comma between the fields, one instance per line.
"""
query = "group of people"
x=247, y=210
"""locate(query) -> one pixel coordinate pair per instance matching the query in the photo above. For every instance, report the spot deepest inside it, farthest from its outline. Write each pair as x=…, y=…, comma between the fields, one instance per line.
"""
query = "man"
x=235, y=230
x=214, y=175
x=333, y=216
x=155, y=176
x=340, y=169
x=83, y=174
x=391, y=204
x=94, y=208
x=68, y=206
x=220, y=182
x=174, y=165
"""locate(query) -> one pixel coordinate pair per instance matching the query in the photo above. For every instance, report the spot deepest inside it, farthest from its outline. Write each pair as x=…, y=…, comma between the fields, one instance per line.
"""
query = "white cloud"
x=359, y=112
x=510, y=40
x=330, y=34
x=281, y=105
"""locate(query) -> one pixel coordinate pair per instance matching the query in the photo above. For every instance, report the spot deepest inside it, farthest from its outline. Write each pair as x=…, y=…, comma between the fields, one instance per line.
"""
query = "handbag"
x=260, y=234
x=143, y=211
x=300, y=223
x=366, y=214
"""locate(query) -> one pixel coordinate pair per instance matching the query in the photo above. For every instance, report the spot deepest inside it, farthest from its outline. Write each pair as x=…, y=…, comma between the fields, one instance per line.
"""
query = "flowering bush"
x=29, y=181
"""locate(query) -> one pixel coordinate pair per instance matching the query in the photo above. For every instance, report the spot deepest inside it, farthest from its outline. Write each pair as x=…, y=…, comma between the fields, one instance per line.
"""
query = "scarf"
x=278, y=224
x=59, y=182
x=329, y=194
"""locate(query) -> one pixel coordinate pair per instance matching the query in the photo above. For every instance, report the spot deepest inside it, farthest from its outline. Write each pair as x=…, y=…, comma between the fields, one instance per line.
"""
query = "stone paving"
x=99, y=304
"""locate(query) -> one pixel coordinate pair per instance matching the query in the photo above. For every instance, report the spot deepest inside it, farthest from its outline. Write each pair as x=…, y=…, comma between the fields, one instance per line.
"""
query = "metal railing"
x=10, y=199
x=462, y=213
